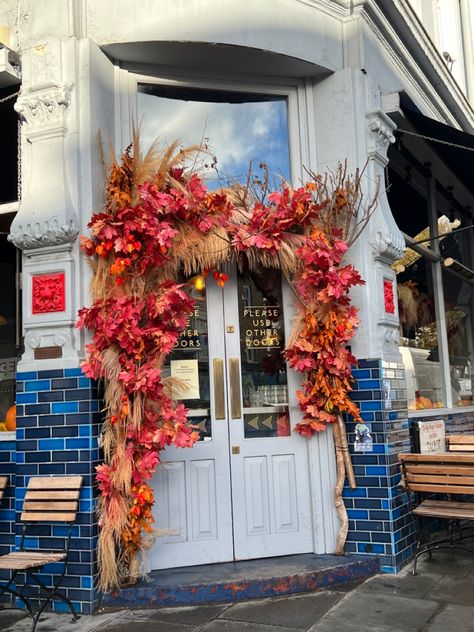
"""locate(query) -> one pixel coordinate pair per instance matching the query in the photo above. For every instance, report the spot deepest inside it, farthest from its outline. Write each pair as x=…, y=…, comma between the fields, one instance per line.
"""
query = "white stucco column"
x=386, y=241
x=67, y=96
x=46, y=225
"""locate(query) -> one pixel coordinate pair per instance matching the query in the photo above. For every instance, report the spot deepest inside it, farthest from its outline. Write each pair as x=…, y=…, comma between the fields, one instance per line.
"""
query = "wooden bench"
x=3, y=485
x=48, y=499
x=444, y=475
x=460, y=443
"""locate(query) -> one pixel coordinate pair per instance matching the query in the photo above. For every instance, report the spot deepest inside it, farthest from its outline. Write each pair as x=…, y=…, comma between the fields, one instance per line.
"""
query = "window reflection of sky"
x=236, y=133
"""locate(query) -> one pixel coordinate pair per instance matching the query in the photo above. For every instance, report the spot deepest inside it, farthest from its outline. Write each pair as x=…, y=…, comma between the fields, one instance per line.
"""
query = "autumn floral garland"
x=158, y=221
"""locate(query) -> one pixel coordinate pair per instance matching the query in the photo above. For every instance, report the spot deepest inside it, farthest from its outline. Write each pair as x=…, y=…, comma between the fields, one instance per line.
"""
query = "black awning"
x=459, y=159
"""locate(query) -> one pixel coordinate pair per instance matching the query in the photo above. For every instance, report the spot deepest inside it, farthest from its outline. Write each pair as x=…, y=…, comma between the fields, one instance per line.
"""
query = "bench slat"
x=461, y=447
x=456, y=504
x=3, y=484
x=449, y=469
x=441, y=480
x=442, y=457
x=30, y=516
x=67, y=494
x=441, y=489
x=15, y=562
x=55, y=482
x=460, y=439
x=53, y=505
x=445, y=512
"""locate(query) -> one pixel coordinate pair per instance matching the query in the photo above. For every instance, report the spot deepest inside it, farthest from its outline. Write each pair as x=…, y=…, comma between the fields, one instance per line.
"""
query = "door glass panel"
x=189, y=362
x=262, y=341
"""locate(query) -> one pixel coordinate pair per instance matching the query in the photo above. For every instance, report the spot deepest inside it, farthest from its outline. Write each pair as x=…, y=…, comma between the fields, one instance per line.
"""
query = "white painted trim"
x=429, y=79
x=437, y=412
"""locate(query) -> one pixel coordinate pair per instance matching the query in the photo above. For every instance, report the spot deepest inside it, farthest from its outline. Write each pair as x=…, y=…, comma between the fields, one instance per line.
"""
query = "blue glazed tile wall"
x=379, y=518
x=7, y=505
x=58, y=424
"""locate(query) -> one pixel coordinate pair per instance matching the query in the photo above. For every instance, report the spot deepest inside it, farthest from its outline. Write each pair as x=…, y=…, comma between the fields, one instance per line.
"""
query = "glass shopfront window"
x=9, y=325
x=435, y=294
x=419, y=336
x=459, y=328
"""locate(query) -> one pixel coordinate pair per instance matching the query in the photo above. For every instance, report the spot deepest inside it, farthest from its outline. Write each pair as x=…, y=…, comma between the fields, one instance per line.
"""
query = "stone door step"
x=250, y=579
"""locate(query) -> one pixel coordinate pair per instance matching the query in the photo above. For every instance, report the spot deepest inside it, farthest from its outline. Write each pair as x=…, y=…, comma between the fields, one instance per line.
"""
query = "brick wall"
x=7, y=505
x=58, y=422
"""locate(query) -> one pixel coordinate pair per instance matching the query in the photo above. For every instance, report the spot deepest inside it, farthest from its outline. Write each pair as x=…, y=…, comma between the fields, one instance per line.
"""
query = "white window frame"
x=298, y=94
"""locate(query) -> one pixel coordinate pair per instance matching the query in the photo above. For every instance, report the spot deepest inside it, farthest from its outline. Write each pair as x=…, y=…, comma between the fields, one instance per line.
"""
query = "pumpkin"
x=422, y=402
x=10, y=419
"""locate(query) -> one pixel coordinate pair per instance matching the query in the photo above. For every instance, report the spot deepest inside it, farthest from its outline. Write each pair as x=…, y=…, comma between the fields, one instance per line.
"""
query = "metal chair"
x=48, y=499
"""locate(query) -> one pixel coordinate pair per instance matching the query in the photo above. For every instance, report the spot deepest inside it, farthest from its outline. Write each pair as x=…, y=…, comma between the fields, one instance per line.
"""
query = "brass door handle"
x=235, y=394
x=219, y=393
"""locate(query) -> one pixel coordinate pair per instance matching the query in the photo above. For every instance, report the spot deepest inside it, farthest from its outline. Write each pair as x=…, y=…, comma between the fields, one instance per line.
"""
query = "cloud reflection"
x=236, y=133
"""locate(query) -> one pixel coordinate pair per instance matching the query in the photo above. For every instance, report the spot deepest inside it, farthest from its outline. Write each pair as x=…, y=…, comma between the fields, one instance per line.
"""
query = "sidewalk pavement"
x=439, y=599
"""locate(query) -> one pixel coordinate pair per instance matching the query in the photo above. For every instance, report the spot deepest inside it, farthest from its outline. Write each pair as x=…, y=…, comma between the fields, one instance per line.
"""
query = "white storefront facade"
x=336, y=77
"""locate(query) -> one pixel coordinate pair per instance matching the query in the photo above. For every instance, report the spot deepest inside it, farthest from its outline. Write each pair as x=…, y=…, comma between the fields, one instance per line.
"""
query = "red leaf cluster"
x=329, y=322
x=136, y=326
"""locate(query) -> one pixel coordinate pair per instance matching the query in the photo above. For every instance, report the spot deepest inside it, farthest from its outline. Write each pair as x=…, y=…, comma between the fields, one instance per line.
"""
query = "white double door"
x=243, y=491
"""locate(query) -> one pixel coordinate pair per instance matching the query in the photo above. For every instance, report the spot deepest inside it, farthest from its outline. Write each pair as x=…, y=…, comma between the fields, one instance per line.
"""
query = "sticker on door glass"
x=187, y=372
x=261, y=326
x=271, y=424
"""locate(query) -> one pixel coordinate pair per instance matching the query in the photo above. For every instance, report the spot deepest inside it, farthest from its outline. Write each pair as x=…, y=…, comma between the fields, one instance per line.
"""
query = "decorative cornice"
x=410, y=49
x=380, y=128
x=45, y=109
x=40, y=235
x=388, y=247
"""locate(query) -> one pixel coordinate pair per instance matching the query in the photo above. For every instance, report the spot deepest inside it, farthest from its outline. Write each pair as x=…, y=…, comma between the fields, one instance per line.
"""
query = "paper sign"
x=188, y=372
x=432, y=436
x=363, y=439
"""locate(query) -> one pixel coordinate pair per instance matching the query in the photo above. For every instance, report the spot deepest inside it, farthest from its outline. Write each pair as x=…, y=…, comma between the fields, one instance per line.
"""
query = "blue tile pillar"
x=7, y=505
x=379, y=518
x=58, y=421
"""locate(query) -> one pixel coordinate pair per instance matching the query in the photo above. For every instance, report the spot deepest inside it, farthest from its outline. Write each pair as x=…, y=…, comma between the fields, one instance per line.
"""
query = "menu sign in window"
x=261, y=326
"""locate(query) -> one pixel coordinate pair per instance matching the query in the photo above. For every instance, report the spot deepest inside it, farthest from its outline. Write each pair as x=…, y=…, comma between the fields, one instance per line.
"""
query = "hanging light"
x=199, y=282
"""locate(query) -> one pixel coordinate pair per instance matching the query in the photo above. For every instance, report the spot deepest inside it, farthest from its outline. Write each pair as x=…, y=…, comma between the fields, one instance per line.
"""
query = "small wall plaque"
x=47, y=353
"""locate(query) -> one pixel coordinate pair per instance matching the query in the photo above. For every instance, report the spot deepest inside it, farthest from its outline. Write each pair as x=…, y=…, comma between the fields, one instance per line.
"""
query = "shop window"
x=435, y=296
x=419, y=339
x=238, y=128
x=9, y=153
x=459, y=328
x=9, y=318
